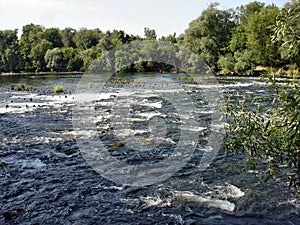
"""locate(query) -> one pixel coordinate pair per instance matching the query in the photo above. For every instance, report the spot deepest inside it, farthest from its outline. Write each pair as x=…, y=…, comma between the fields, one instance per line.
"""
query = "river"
x=53, y=169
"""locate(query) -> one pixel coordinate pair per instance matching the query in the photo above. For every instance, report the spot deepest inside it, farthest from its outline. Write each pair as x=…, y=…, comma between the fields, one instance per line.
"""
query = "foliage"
x=238, y=40
x=149, y=56
x=53, y=35
x=244, y=63
x=9, y=51
x=22, y=87
x=270, y=133
x=37, y=55
x=227, y=63
x=150, y=34
x=268, y=34
x=229, y=41
x=32, y=35
x=85, y=39
x=54, y=59
x=258, y=32
x=287, y=32
x=72, y=60
x=170, y=38
x=67, y=37
x=245, y=11
x=59, y=88
x=209, y=35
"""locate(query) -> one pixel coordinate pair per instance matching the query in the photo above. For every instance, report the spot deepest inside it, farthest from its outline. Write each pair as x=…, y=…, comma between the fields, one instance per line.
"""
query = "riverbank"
x=42, y=73
x=261, y=71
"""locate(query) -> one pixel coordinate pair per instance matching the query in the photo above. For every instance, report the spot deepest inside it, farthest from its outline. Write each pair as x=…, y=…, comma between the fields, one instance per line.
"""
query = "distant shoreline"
x=277, y=75
x=42, y=73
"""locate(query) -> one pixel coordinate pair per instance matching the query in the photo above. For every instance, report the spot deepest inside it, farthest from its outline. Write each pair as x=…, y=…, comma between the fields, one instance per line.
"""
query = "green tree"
x=258, y=32
x=32, y=35
x=245, y=11
x=226, y=63
x=85, y=39
x=119, y=38
x=239, y=60
x=244, y=63
x=37, y=55
x=9, y=51
x=53, y=35
x=170, y=38
x=67, y=37
x=89, y=55
x=287, y=32
x=54, y=59
x=150, y=34
x=238, y=40
x=123, y=59
x=106, y=42
x=209, y=35
x=72, y=60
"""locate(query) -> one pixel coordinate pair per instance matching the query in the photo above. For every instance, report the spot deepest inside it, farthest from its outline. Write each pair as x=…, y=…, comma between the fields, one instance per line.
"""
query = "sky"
x=165, y=16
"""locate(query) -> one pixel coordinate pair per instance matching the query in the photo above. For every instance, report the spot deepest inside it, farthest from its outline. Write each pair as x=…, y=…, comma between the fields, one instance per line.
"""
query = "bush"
x=244, y=63
x=22, y=87
x=271, y=133
x=58, y=89
x=226, y=64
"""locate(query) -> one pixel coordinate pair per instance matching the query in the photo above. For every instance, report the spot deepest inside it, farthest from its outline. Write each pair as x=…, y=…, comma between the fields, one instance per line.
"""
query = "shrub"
x=22, y=87
x=271, y=133
x=226, y=64
x=58, y=89
x=244, y=63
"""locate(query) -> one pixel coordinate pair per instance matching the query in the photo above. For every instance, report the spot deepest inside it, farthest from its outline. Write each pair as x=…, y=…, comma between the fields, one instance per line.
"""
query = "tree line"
x=229, y=41
x=237, y=41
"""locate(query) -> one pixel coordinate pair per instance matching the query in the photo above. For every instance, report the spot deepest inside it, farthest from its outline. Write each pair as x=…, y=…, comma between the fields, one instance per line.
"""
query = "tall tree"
x=85, y=39
x=150, y=34
x=54, y=59
x=72, y=60
x=37, y=55
x=32, y=35
x=258, y=32
x=53, y=35
x=119, y=38
x=209, y=35
x=9, y=51
x=67, y=37
x=245, y=11
x=170, y=38
x=106, y=42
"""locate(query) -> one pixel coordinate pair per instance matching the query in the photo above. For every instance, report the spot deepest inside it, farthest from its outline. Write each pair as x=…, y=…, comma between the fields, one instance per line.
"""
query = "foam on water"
x=32, y=164
x=187, y=197
x=26, y=102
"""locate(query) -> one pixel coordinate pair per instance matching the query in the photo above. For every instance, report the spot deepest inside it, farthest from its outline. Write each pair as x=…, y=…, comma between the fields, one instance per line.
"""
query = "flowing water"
x=47, y=148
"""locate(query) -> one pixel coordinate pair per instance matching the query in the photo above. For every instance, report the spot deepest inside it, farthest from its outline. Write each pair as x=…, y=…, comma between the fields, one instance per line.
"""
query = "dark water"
x=45, y=177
